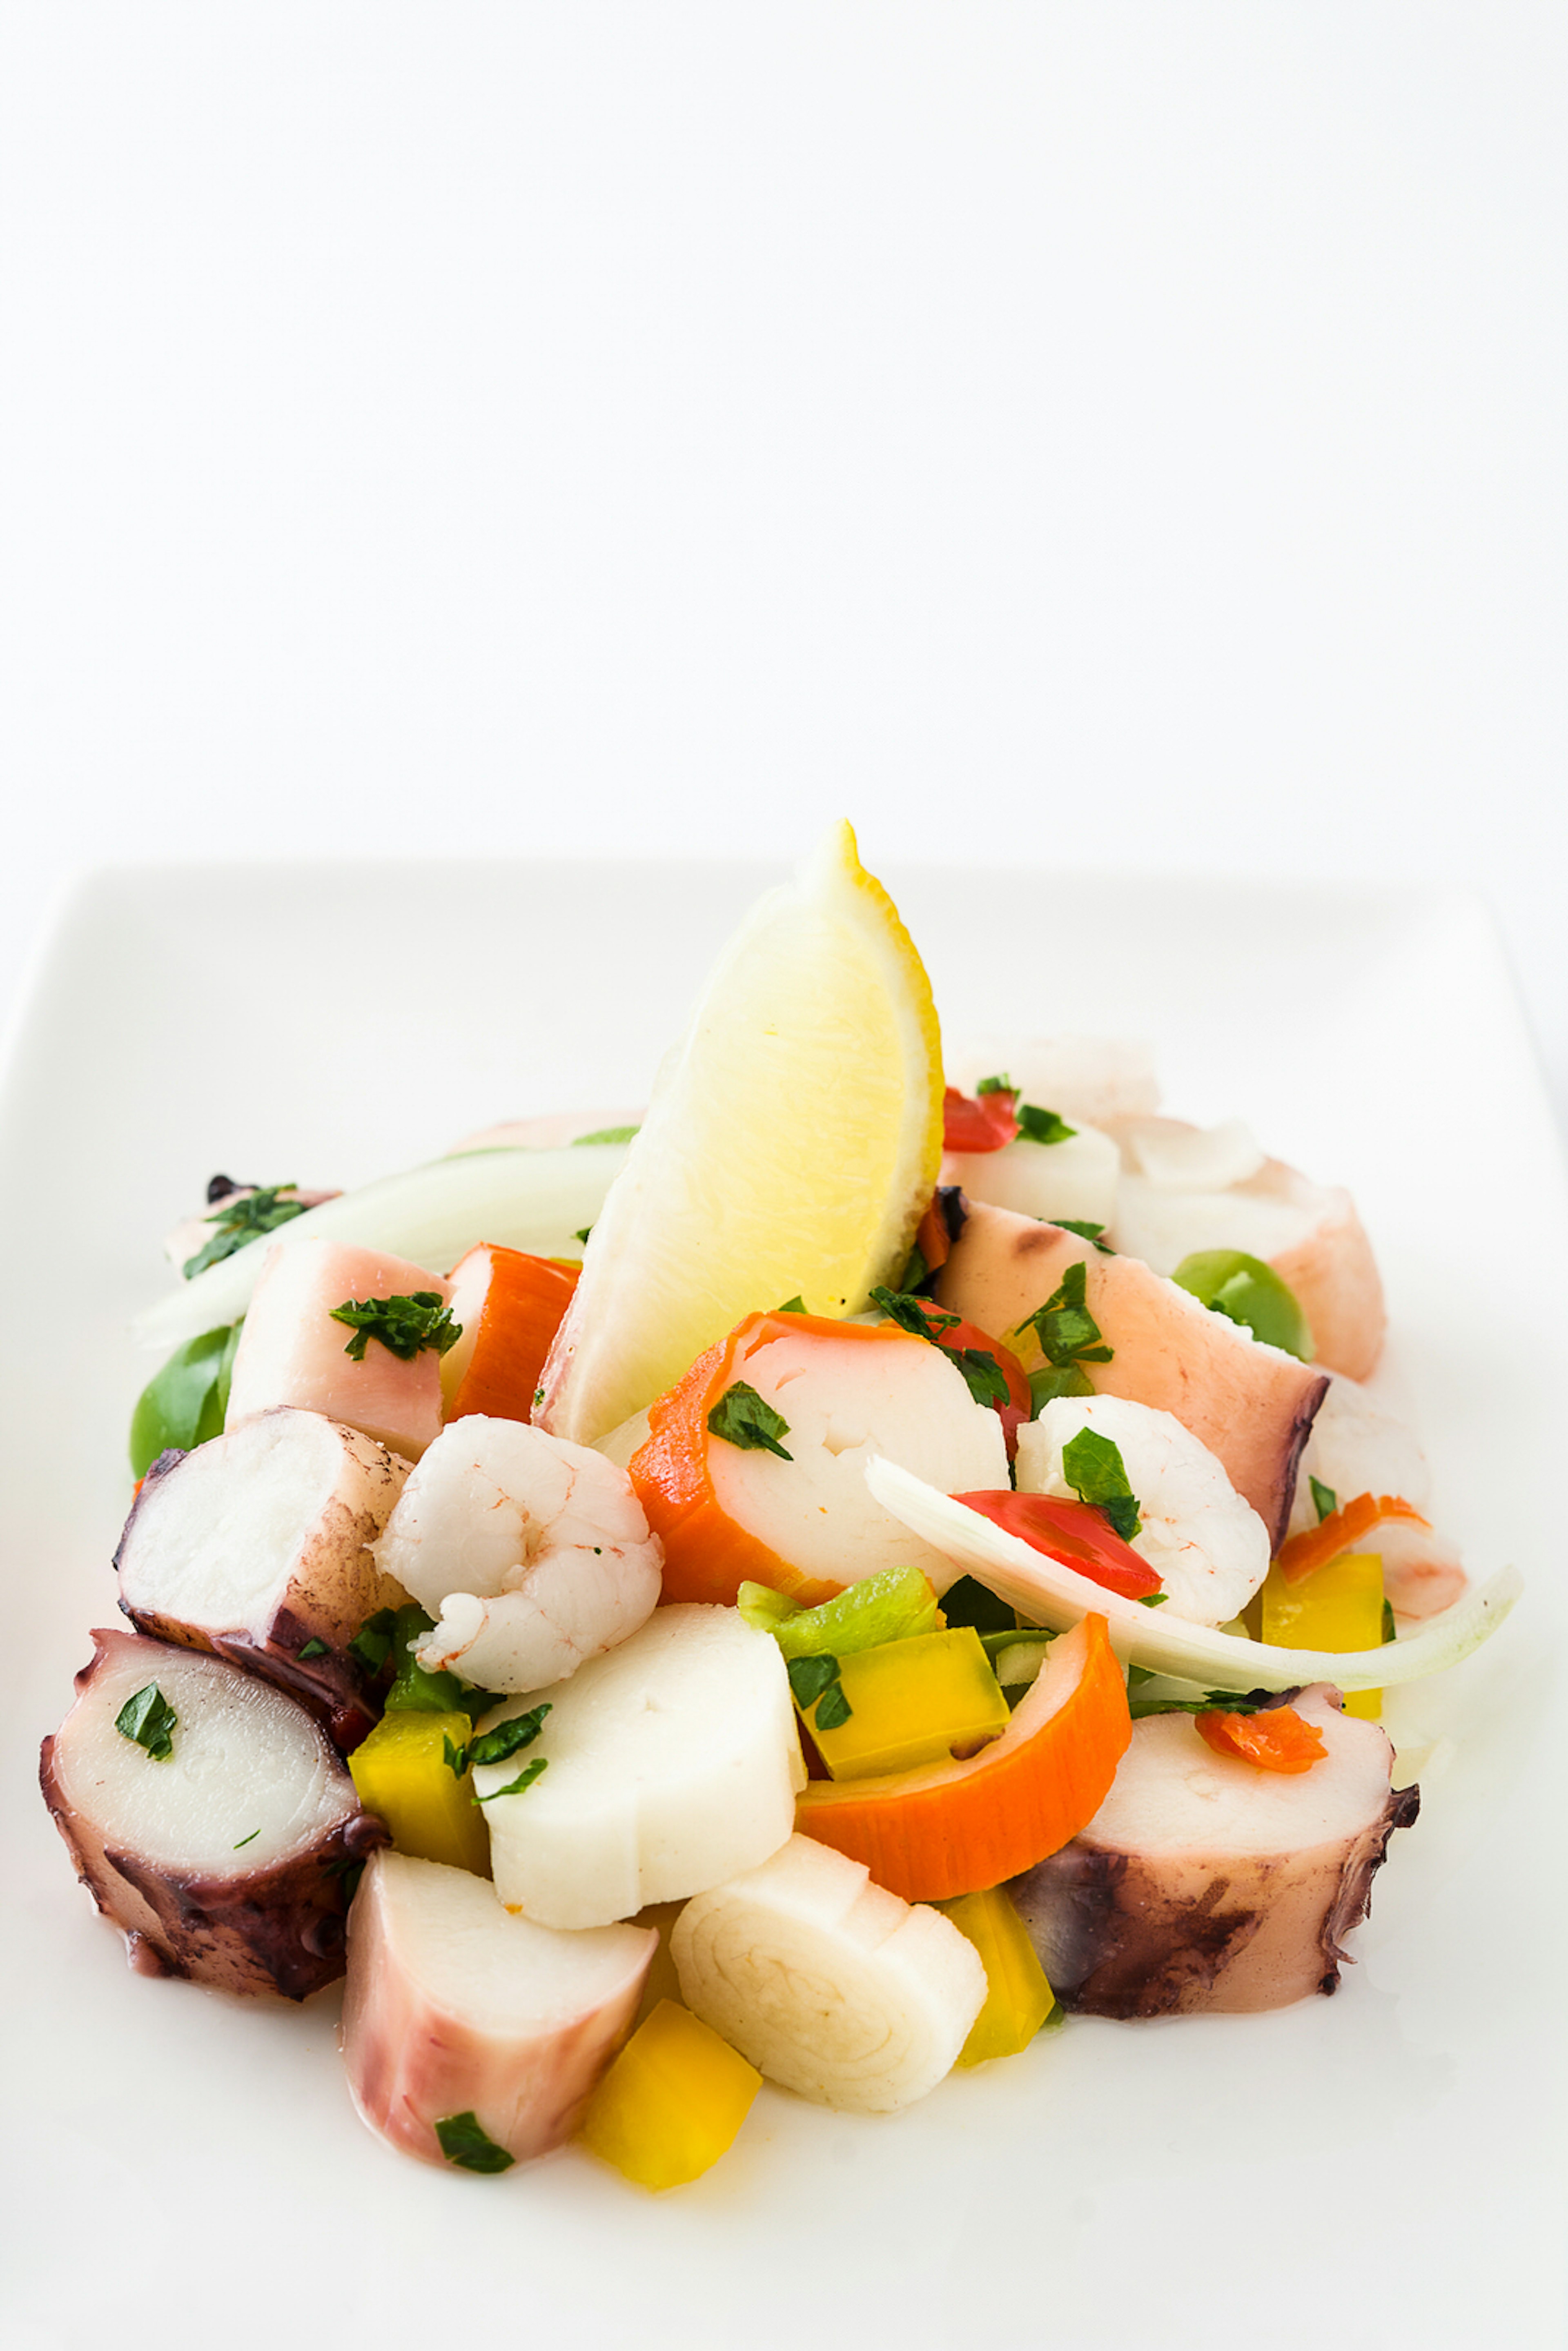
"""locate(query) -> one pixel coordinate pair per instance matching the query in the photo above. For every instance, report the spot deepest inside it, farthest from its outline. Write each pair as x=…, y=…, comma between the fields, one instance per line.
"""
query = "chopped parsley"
x=983, y=1375
x=525, y=1778
x=832, y=1708
x=242, y=1220
x=1068, y=1334
x=244, y=1841
x=1211, y=1702
x=606, y=1134
x=465, y=2142
x=1037, y=1125
x=373, y=1642
x=149, y=1719
x=508, y=1738
x=539, y=1396
x=1153, y=1599
x=404, y=1326
x=742, y=1417
x=312, y=1648
x=1325, y=1499
x=1093, y=1467
x=814, y=1681
x=455, y=1758
x=582, y=1236
x=1389, y=1632
x=1085, y=1232
x=999, y=1085
x=796, y=1305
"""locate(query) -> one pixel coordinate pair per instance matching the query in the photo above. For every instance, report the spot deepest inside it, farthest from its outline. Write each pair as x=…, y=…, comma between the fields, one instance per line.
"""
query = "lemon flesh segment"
x=791, y=1144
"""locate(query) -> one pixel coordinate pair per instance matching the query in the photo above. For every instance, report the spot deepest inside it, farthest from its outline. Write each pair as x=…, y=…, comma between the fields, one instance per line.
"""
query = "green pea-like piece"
x=1251, y=1293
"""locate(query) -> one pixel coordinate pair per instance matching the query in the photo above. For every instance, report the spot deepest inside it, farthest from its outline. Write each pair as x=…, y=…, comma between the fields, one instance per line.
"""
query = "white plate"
x=1384, y=2168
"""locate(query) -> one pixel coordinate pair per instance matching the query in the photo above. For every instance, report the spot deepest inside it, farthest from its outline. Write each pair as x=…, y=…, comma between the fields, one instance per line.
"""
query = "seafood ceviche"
x=820, y=1579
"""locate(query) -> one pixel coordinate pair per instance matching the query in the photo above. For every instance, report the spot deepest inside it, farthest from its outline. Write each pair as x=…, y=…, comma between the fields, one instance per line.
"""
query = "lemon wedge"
x=790, y=1148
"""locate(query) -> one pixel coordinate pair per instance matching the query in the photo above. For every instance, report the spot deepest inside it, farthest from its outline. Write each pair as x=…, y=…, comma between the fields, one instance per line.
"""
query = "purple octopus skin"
x=257, y=1546
x=259, y=1911
x=1204, y=1885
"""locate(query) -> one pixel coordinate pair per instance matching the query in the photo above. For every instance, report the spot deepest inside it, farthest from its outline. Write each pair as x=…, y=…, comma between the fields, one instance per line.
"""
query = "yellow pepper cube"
x=1018, y=1997
x=910, y=1702
x=671, y=2103
x=1338, y=1606
x=402, y=1775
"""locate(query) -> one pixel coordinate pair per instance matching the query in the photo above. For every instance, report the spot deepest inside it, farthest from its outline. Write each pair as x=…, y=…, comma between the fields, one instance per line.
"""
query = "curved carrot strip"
x=962, y=1827
x=524, y=1305
x=1341, y=1531
x=1276, y=1739
x=707, y=1556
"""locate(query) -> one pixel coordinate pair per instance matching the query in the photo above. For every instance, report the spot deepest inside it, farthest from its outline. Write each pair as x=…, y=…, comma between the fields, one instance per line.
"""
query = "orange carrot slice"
x=512, y=1304
x=1342, y=1530
x=1278, y=1740
x=962, y=1827
x=706, y=1555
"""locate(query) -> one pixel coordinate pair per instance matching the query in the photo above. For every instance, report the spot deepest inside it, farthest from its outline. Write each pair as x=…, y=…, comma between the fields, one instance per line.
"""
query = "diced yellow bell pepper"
x=401, y=1775
x=671, y=2103
x=1018, y=1997
x=912, y=1702
x=1337, y=1607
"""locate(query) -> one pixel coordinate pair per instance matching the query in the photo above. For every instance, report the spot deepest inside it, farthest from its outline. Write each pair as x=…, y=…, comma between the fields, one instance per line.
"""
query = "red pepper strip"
x=982, y=1122
x=1076, y=1533
x=1275, y=1740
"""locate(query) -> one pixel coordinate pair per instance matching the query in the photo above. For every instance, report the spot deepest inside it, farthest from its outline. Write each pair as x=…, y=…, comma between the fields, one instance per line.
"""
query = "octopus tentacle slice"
x=1250, y=1404
x=1203, y=1884
x=223, y=1860
x=453, y=2006
x=256, y=1546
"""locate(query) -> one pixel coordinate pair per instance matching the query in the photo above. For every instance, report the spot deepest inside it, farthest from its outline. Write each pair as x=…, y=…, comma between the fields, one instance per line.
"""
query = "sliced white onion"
x=534, y=1200
x=1050, y=1593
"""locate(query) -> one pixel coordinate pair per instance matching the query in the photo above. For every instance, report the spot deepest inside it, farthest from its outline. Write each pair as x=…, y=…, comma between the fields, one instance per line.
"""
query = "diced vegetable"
x=1249, y=1293
x=892, y=1606
x=672, y=2102
x=1342, y=1530
x=958, y=1828
x=1018, y=1997
x=1338, y=1606
x=404, y=1773
x=910, y=1702
x=827, y=1983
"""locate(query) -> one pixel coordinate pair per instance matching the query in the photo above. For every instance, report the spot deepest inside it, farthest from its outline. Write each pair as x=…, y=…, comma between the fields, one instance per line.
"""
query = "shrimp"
x=534, y=1554
x=1210, y=1547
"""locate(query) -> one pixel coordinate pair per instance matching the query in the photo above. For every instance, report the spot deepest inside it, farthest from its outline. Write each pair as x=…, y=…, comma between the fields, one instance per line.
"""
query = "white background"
x=1101, y=435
